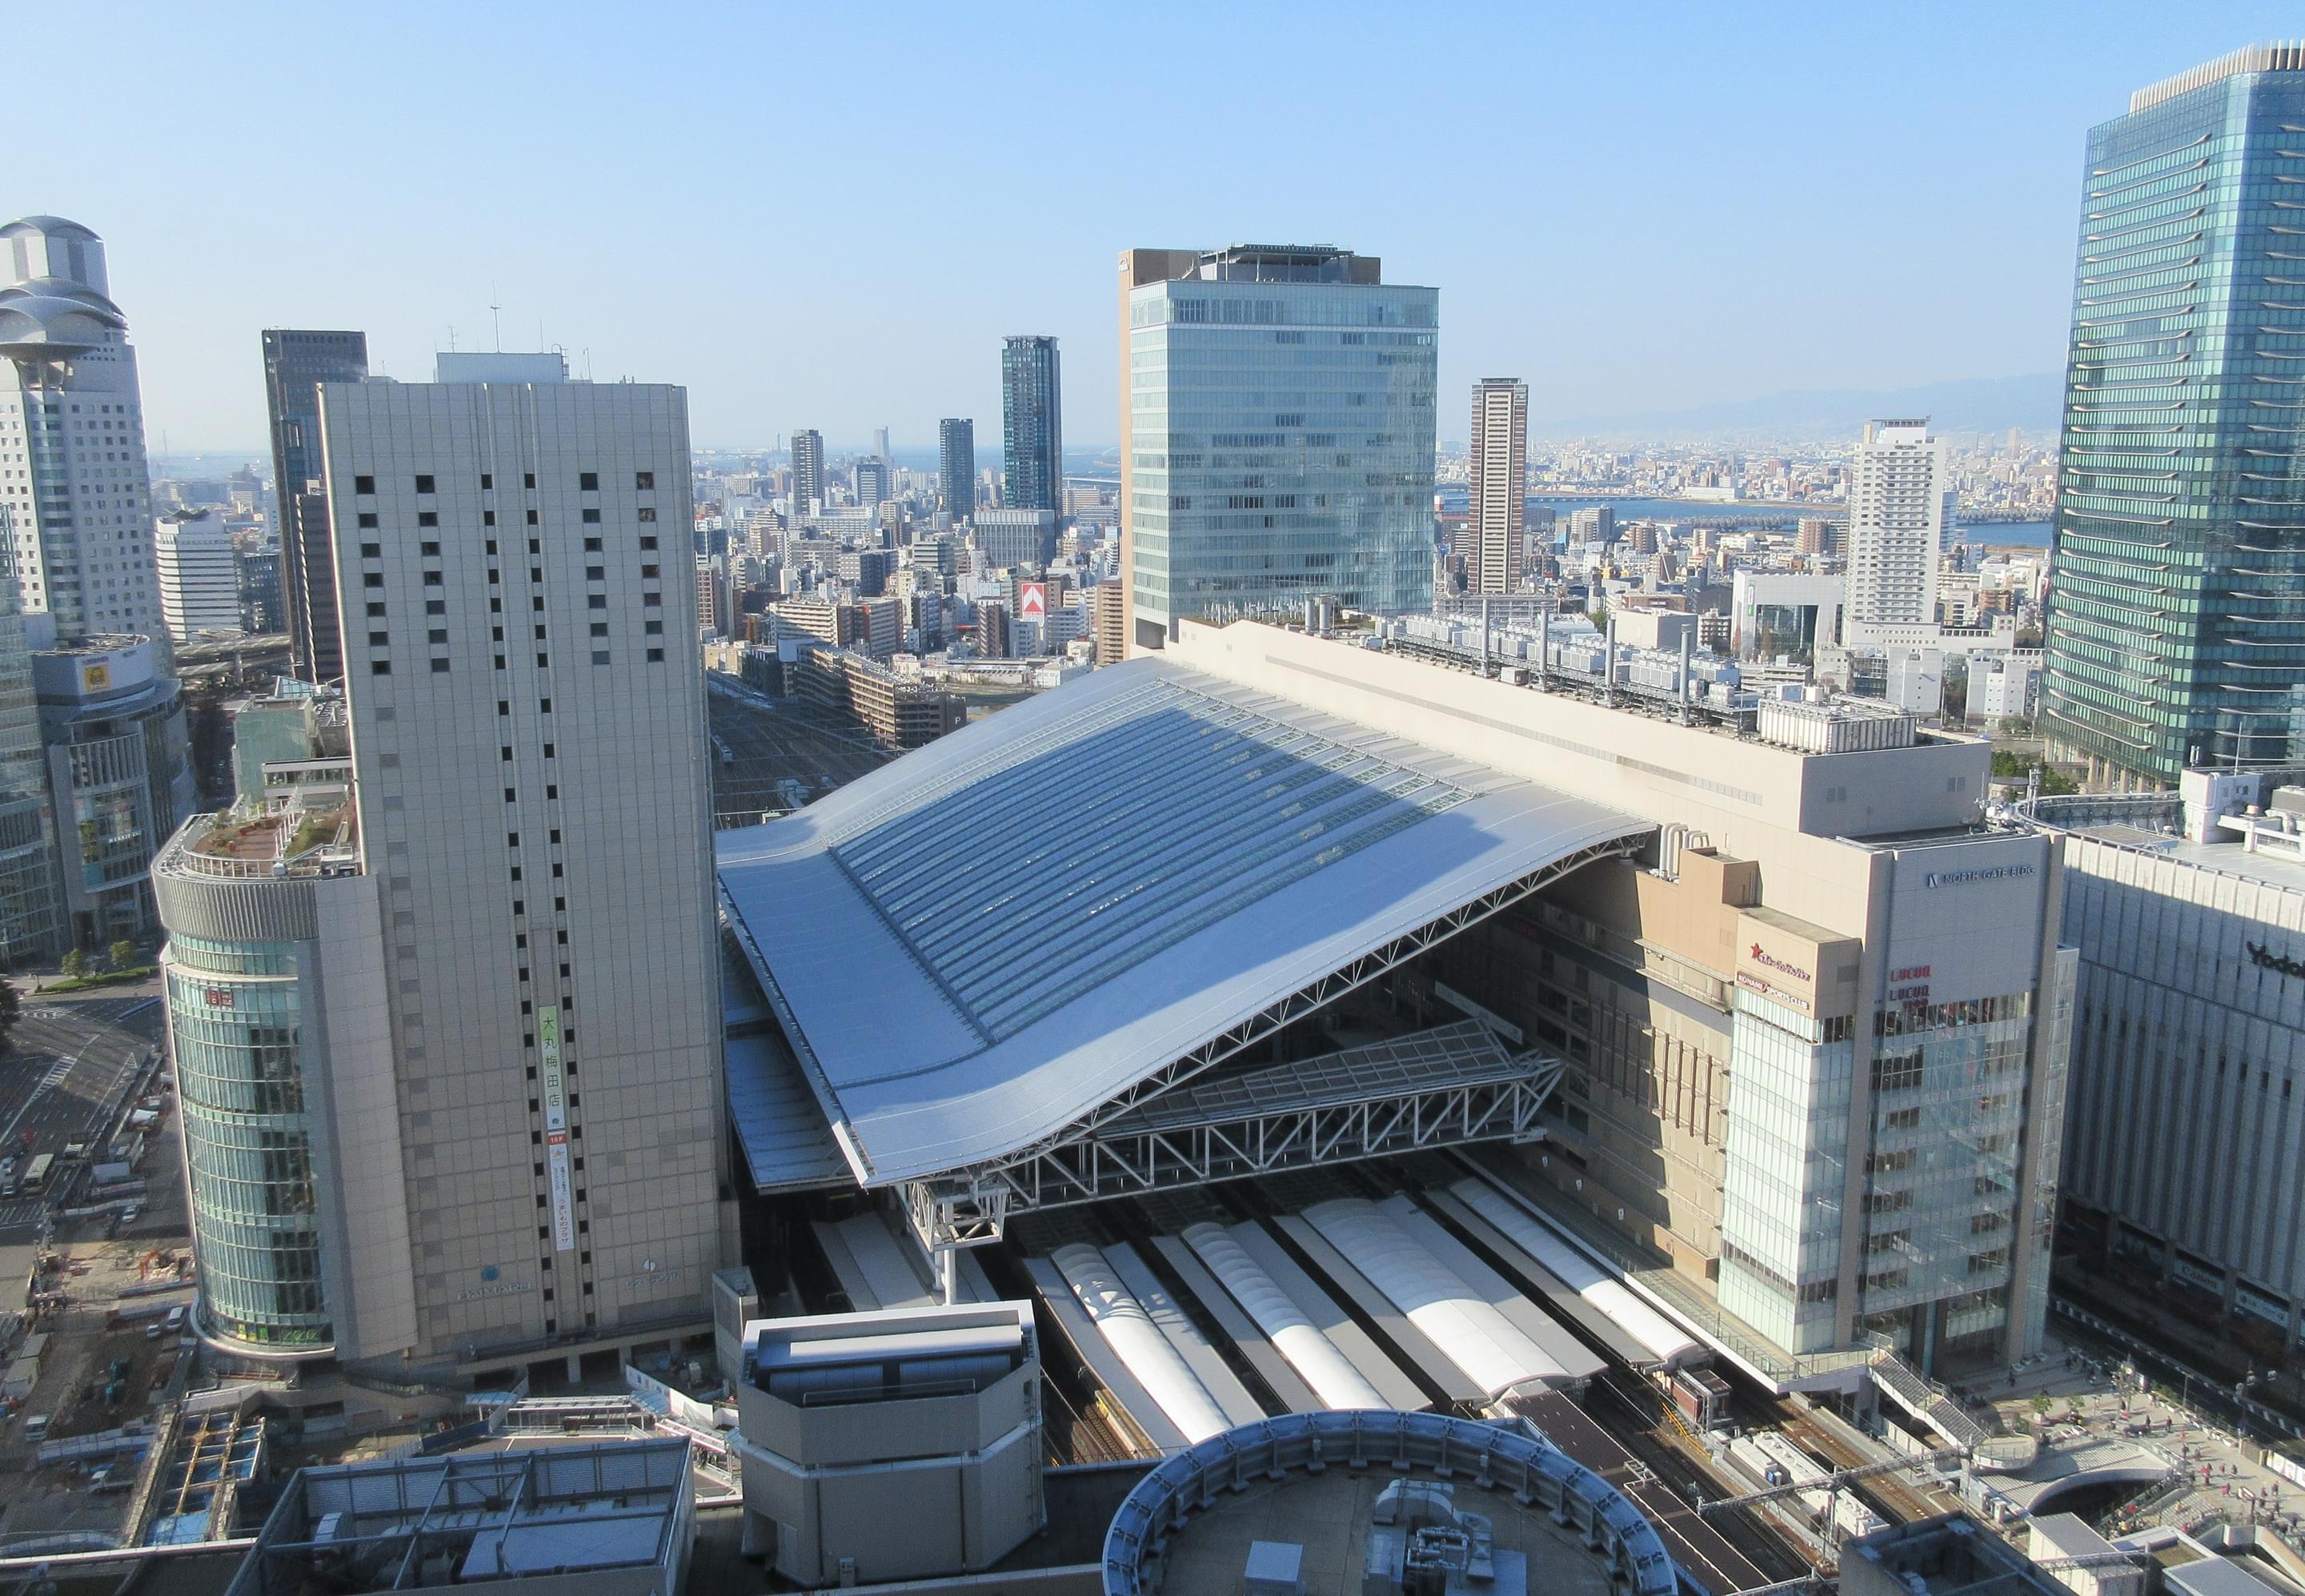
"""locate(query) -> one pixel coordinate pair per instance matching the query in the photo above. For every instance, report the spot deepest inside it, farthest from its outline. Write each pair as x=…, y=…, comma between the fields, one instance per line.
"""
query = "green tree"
x=75, y=964
x=11, y=1009
x=120, y=954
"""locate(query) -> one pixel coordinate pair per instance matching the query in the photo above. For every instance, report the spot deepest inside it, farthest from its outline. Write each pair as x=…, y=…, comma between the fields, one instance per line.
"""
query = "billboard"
x=1032, y=601
x=563, y=1200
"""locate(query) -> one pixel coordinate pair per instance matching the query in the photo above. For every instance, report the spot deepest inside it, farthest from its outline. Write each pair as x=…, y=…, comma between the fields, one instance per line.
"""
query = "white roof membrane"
x=982, y=942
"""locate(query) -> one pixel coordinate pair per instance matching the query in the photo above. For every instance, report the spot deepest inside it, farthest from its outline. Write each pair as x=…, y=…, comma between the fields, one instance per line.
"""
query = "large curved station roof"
x=982, y=942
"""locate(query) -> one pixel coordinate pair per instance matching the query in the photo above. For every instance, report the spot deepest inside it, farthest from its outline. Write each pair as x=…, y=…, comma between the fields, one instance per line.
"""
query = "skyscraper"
x=1500, y=483
x=28, y=924
x=295, y=362
x=1898, y=496
x=1276, y=433
x=880, y=445
x=199, y=574
x=501, y=1040
x=957, y=467
x=71, y=435
x=808, y=470
x=2177, y=616
x=871, y=473
x=1032, y=425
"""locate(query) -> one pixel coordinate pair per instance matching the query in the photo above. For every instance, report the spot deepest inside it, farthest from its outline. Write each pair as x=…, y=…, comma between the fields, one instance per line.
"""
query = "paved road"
x=69, y=1059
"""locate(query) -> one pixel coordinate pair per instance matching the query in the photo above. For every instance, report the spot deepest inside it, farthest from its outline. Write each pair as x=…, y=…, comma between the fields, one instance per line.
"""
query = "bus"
x=35, y=1176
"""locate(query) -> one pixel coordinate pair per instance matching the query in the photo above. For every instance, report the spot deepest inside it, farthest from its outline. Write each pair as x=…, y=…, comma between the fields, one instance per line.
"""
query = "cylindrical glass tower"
x=234, y=1022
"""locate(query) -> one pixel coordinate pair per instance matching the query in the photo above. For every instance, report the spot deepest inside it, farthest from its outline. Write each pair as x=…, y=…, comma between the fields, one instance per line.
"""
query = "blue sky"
x=829, y=215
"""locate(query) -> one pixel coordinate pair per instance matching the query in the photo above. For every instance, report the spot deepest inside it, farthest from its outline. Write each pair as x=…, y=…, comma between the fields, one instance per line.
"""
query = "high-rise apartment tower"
x=1498, y=483
x=957, y=467
x=1276, y=433
x=294, y=362
x=2176, y=624
x=71, y=435
x=808, y=471
x=1898, y=494
x=1032, y=425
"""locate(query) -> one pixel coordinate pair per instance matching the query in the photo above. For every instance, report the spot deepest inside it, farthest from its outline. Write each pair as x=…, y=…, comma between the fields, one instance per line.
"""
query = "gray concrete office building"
x=530, y=821
x=808, y=482
x=1277, y=431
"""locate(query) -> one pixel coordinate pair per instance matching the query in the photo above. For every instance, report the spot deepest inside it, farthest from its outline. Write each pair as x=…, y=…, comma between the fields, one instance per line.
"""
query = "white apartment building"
x=1898, y=489
x=1500, y=484
x=198, y=572
x=71, y=436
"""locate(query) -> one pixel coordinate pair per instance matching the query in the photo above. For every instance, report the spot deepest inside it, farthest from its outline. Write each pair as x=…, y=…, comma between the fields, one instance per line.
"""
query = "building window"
x=489, y=518
x=364, y=484
x=427, y=518
x=486, y=482
x=597, y=601
x=367, y=518
x=532, y=518
x=380, y=667
x=372, y=580
x=423, y=484
x=600, y=657
x=644, y=480
x=372, y=551
x=591, y=516
x=588, y=481
x=652, y=600
x=648, y=512
x=439, y=668
x=647, y=542
x=656, y=655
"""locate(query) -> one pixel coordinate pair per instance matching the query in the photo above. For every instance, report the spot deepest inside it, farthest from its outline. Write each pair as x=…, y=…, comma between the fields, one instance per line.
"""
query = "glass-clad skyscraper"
x=1276, y=433
x=2176, y=629
x=1032, y=425
x=295, y=362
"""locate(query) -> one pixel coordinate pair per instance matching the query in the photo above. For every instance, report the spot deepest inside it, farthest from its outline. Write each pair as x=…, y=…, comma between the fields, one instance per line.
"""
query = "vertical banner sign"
x=548, y=1050
x=564, y=1203
x=556, y=1129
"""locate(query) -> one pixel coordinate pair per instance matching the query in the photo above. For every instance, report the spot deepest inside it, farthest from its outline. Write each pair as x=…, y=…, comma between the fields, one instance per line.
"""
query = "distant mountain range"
x=1976, y=404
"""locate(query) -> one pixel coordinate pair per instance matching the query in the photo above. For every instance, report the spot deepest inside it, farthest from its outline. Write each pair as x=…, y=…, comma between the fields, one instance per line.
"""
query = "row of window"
x=586, y=482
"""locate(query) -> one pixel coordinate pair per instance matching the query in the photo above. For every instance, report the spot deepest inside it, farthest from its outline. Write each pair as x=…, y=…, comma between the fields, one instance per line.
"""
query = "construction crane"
x=1835, y=1481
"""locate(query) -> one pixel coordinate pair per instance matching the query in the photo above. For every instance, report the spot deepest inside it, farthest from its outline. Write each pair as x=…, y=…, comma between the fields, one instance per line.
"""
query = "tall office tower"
x=872, y=474
x=808, y=471
x=880, y=445
x=1277, y=429
x=1006, y=539
x=2176, y=611
x=502, y=1028
x=199, y=569
x=1032, y=425
x=1898, y=502
x=1500, y=483
x=295, y=362
x=71, y=435
x=28, y=924
x=957, y=467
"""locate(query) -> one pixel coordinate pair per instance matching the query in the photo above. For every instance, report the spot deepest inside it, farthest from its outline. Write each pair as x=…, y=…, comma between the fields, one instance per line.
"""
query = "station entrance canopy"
x=1012, y=963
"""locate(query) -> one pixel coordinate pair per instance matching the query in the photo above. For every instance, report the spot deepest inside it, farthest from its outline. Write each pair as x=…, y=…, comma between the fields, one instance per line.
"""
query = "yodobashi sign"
x=1991, y=873
x=1032, y=601
x=2281, y=964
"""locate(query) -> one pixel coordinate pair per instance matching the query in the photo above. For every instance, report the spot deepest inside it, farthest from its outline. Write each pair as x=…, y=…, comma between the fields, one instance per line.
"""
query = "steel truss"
x=1084, y=1163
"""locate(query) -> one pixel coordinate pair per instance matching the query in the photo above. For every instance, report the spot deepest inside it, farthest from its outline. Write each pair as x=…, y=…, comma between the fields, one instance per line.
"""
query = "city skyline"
x=431, y=245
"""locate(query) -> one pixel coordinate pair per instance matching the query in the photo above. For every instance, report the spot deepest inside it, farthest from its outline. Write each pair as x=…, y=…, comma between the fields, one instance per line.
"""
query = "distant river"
x=2031, y=534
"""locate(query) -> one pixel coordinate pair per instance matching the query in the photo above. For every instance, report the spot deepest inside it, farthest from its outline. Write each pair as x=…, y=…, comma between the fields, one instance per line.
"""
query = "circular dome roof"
x=56, y=315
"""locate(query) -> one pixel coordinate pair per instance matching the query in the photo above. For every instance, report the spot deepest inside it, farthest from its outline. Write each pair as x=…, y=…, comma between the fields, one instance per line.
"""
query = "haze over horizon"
x=1717, y=225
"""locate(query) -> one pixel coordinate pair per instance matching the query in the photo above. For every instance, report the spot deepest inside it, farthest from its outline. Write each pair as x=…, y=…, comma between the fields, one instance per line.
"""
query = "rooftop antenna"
x=452, y=340
x=493, y=315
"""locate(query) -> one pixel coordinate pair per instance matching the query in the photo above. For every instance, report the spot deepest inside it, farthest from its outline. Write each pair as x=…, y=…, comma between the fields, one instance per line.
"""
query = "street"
x=69, y=1060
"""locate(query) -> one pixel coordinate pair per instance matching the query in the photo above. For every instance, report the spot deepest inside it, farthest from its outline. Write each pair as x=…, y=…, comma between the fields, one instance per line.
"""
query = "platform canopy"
x=1036, y=923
